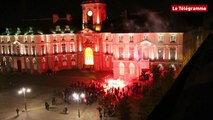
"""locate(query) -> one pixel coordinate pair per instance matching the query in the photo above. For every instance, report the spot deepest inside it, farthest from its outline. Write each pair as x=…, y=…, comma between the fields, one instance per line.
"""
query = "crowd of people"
x=94, y=91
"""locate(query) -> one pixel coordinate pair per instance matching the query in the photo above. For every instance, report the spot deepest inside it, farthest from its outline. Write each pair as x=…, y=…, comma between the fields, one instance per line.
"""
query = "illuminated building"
x=126, y=54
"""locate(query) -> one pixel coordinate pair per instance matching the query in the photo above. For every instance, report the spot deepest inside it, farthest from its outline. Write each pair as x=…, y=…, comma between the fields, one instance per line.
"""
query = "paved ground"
x=42, y=90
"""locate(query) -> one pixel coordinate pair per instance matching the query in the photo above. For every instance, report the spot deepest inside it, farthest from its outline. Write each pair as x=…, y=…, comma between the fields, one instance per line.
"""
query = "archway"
x=89, y=58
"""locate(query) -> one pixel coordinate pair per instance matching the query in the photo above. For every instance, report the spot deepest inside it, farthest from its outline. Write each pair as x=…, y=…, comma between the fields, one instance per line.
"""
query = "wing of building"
x=126, y=54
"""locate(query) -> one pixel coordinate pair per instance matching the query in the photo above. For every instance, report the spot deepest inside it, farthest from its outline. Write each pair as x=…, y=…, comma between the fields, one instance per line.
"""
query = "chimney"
x=55, y=18
x=68, y=17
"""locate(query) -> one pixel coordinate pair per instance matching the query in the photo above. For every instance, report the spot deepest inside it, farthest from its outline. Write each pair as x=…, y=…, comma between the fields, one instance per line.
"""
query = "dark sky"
x=11, y=12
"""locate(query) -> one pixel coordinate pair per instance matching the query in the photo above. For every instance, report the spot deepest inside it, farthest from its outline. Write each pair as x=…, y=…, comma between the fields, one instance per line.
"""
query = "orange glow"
x=89, y=56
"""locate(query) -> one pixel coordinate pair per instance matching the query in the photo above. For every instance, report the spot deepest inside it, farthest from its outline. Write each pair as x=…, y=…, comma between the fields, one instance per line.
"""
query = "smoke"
x=146, y=20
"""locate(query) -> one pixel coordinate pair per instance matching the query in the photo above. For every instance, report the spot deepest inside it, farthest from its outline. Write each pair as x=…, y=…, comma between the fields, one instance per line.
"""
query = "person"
x=47, y=105
x=65, y=110
x=17, y=111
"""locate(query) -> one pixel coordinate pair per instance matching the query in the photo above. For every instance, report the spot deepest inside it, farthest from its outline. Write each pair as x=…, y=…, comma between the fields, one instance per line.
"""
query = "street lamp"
x=24, y=91
x=78, y=97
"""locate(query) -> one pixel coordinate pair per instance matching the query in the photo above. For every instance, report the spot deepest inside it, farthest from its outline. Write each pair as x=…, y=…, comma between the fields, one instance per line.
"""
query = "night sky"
x=12, y=12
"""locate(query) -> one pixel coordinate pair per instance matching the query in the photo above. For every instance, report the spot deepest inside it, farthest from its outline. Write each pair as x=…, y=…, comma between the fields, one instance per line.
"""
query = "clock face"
x=89, y=13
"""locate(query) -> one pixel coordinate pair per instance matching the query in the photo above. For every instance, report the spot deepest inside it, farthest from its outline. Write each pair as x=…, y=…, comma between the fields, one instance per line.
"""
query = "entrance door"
x=89, y=58
x=19, y=65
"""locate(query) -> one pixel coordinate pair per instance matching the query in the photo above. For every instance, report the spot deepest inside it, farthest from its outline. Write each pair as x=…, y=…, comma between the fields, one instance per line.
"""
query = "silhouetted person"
x=17, y=111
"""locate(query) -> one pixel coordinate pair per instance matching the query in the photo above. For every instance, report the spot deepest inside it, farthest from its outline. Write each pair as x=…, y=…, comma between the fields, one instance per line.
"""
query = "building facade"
x=126, y=54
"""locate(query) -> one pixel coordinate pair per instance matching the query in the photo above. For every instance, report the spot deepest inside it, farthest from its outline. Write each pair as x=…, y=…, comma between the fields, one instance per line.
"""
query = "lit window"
x=9, y=49
x=54, y=37
x=3, y=50
x=120, y=38
x=145, y=53
x=64, y=48
x=25, y=38
x=160, y=38
x=107, y=37
x=107, y=48
x=63, y=37
x=172, y=53
x=145, y=37
x=72, y=37
x=121, y=69
x=173, y=38
x=72, y=48
x=33, y=50
x=55, y=49
x=131, y=39
x=131, y=53
x=132, y=68
x=42, y=50
x=32, y=39
x=26, y=50
x=2, y=39
x=121, y=50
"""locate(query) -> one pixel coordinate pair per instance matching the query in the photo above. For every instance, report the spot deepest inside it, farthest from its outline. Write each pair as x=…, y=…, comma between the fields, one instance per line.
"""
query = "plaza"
x=42, y=89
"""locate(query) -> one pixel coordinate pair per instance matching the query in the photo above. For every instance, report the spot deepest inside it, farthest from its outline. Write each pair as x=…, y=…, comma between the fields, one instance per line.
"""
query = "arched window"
x=121, y=68
x=132, y=68
x=89, y=60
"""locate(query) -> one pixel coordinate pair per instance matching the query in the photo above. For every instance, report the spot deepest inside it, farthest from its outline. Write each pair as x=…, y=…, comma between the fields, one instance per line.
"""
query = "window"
x=121, y=50
x=131, y=53
x=64, y=58
x=132, y=68
x=107, y=58
x=107, y=48
x=2, y=39
x=9, y=49
x=57, y=28
x=26, y=50
x=64, y=48
x=131, y=39
x=33, y=50
x=173, y=38
x=32, y=39
x=145, y=53
x=106, y=37
x=3, y=50
x=42, y=50
x=8, y=38
x=160, y=53
x=62, y=37
x=67, y=28
x=121, y=69
x=160, y=38
x=54, y=38
x=145, y=37
x=42, y=38
x=72, y=48
x=25, y=38
x=172, y=53
x=120, y=38
x=55, y=49
x=72, y=37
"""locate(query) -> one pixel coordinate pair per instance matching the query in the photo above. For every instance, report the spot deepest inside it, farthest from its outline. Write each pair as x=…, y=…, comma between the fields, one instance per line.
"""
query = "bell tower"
x=93, y=14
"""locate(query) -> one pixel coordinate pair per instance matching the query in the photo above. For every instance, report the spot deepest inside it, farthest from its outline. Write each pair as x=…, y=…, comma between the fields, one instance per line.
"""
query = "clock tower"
x=93, y=14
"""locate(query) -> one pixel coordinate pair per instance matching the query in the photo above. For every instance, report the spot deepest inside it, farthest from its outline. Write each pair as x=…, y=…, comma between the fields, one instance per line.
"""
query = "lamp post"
x=24, y=91
x=78, y=97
